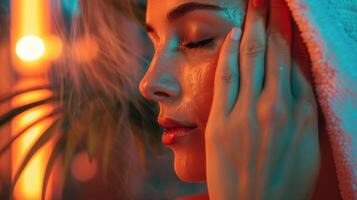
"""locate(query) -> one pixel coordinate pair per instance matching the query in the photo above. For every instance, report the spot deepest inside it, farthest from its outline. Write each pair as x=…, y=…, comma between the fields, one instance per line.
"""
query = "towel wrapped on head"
x=329, y=29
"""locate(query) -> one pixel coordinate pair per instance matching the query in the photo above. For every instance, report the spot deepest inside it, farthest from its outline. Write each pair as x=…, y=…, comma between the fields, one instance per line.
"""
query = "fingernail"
x=235, y=33
x=258, y=3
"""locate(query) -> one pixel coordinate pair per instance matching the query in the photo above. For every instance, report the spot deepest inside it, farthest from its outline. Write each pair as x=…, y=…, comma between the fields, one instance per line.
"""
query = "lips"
x=175, y=130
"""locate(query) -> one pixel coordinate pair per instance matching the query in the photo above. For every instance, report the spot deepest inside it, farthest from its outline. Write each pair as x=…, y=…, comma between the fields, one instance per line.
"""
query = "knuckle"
x=252, y=47
x=308, y=109
x=273, y=112
x=276, y=37
x=228, y=76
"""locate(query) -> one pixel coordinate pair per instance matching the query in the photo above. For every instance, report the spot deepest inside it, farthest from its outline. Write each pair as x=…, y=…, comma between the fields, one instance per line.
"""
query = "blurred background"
x=72, y=124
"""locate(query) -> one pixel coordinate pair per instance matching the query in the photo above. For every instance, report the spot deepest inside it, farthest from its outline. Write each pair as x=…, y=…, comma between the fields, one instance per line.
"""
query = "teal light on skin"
x=235, y=15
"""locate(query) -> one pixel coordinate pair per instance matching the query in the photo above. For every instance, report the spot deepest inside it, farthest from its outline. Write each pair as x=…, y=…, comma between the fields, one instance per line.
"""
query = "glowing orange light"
x=86, y=49
x=82, y=168
x=30, y=48
x=53, y=47
x=33, y=48
x=29, y=185
x=34, y=45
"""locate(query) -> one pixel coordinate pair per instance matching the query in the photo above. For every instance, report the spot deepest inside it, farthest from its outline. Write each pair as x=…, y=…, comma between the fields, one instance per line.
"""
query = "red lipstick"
x=174, y=130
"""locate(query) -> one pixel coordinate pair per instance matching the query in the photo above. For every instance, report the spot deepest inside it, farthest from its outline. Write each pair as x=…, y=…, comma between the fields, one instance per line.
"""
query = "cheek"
x=202, y=90
x=199, y=85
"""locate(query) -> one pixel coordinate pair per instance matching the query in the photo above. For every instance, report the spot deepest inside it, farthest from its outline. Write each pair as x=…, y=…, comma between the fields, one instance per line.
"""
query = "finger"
x=278, y=71
x=301, y=80
x=226, y=77
x=252, y=51
x=301, y=87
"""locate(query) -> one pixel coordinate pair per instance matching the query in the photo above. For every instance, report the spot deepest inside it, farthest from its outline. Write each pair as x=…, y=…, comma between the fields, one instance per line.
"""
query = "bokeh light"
x=82, y=168
x=30, y=48
x=86, y=49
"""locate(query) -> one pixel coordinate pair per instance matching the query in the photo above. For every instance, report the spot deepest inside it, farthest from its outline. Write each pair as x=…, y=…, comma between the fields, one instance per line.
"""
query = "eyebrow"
x=184, y=9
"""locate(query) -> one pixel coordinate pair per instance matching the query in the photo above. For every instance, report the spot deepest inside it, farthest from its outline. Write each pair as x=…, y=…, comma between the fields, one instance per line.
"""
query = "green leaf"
x=41, y=141
x=56, y=152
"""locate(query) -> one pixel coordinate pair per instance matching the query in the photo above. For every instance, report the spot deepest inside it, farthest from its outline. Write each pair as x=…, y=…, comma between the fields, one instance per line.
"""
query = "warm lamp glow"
x=33, y=48
x=86, y=49
x=53, y=47
x=82, y=168
x=30, y=48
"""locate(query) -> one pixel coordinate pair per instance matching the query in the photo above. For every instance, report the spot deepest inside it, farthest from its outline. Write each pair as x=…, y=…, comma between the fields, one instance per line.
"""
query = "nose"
x=160, y=82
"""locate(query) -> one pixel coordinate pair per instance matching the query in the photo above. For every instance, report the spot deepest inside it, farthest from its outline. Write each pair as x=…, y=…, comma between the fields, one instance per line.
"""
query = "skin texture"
x=181, y=81
x=258, y=139
x=185, y=77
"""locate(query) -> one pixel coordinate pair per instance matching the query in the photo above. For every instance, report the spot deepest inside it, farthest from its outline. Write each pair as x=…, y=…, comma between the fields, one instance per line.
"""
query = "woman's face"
x=187, y=36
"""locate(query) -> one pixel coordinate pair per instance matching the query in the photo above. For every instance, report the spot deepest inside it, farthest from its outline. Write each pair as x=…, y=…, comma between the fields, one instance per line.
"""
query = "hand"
x=262, y=132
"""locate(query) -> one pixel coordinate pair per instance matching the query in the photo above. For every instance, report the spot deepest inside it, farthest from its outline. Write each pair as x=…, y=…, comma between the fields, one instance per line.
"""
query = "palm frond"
x=8, y=96
x=7, y=117
x=41, y=141
x=72, y=141
x=93, y=138
x=17, y=135
x=56, y=152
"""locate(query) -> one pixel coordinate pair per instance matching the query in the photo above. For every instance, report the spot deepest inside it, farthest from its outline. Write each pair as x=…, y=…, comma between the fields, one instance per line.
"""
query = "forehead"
x=158, y=9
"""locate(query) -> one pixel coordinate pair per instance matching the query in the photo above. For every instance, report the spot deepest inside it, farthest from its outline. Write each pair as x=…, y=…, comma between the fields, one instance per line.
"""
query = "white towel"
x=329, y=29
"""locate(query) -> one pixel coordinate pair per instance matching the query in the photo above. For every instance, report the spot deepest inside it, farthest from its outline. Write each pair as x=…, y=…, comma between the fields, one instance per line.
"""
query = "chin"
x=190, y=166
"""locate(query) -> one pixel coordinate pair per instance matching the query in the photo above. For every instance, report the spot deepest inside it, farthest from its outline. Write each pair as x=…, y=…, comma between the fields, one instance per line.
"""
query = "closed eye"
x=198, y=44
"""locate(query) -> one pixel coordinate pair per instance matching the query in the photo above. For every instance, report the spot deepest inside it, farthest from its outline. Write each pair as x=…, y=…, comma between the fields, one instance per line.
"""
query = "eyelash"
x=198, y=44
